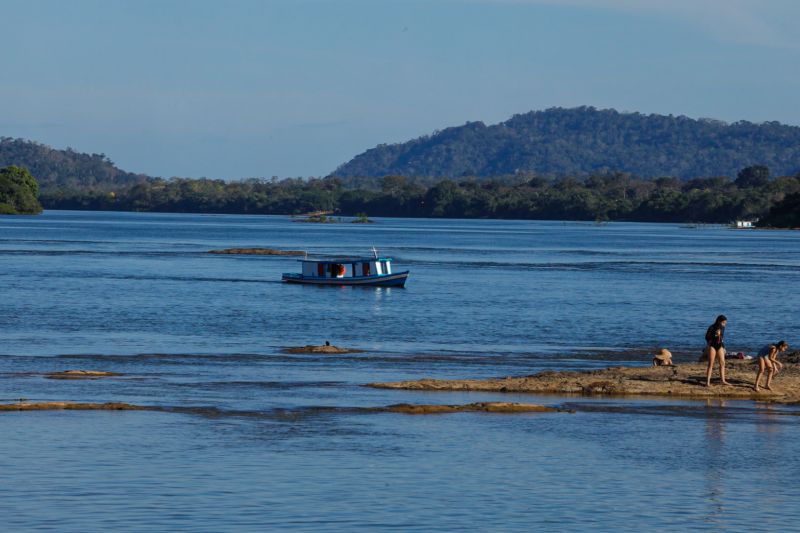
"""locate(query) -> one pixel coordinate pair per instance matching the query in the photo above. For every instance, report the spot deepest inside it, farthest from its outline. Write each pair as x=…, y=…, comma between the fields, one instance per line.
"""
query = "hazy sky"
x=296, y=87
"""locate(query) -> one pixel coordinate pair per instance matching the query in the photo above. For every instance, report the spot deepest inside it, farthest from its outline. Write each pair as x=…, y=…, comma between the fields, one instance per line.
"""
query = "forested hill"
x=586, y=140
x=65, y=169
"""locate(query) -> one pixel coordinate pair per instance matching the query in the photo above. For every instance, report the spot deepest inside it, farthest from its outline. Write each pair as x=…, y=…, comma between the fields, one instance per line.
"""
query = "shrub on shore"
x=19, y=192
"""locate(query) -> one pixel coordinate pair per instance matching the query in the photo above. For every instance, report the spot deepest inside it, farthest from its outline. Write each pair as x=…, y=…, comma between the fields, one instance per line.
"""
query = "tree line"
x=609, y=196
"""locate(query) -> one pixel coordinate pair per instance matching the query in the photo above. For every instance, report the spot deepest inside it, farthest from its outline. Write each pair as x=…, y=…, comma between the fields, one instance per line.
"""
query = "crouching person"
x=768, y=361
x=663, y=358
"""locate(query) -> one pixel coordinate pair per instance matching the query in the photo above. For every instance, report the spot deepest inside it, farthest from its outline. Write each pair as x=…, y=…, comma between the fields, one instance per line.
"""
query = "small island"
x=362, y=218
x=317, y=217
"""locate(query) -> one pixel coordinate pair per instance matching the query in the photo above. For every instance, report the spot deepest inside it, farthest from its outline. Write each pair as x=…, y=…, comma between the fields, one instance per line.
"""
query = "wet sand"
x=683, y=381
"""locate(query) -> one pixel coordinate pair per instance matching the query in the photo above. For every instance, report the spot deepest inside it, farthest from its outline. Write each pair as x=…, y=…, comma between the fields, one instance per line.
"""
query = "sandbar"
x=682, y=381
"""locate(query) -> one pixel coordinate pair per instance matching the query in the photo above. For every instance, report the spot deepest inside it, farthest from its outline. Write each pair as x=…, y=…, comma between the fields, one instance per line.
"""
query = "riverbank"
x=683, y=381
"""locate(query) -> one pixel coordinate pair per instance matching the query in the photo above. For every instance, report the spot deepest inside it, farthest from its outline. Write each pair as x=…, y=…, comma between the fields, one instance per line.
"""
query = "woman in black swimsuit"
x=715, y=348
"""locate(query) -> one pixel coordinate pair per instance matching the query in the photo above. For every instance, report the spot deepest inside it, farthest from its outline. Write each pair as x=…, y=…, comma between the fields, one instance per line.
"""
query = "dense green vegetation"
x=65, y=169
x=584, y=141
x=18, y=192
x=785, y=214
x=554, y=164
x=613, y=196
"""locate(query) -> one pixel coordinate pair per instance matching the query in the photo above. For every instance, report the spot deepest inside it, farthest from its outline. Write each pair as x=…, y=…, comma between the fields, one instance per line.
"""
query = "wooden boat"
x=363, y=271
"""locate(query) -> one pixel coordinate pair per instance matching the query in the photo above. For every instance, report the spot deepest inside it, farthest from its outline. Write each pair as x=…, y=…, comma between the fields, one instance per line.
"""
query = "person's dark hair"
x=720, y=319
x=780, y=344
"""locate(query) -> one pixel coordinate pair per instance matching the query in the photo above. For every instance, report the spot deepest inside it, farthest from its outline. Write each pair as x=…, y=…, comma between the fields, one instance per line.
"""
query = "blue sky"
x=296, y=87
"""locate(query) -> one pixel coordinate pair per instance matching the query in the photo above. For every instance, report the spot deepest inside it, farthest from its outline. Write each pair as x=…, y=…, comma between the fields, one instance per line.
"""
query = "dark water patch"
x=634, y=266
x=267, y=385
x=297, y=414
x=702, y=409
x=100, y=253
x=140, y=277
x=57, y=241
x=167, y=358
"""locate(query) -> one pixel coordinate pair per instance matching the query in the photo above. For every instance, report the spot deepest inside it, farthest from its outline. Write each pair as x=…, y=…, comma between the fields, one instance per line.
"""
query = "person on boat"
x=715, y=348
x=663, y=358
x=768, y=360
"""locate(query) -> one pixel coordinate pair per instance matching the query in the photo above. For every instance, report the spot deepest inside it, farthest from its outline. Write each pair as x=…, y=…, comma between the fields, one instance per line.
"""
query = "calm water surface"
x=252, y=442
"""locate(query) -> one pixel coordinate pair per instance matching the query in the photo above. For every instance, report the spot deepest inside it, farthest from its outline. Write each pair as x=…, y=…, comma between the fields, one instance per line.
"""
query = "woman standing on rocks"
x=715, y=348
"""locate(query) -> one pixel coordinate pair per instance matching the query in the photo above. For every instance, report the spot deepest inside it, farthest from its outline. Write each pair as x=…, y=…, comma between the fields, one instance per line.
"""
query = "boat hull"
x=384, y=280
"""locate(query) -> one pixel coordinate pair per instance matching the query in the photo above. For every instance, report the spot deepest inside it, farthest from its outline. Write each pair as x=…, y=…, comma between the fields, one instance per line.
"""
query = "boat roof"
x=345, y=260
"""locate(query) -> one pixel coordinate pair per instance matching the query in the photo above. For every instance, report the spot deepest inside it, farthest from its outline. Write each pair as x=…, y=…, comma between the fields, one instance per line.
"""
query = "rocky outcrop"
x=80, y=374
x=684, y=381
x=325, y=348
x=50, y=406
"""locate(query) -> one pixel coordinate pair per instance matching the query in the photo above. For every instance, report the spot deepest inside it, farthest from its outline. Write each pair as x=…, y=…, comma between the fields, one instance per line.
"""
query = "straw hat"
x=663, y=355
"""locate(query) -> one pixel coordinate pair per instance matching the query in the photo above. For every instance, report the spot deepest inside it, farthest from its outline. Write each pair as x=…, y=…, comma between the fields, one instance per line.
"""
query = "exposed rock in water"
x=487, y=407
x=257, y=251
x=685, y=381
x=325, y=348
x=80, y=374
x=50, y=406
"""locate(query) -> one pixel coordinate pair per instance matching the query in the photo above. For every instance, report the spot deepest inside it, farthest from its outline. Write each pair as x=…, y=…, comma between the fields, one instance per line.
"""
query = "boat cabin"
x=372, y=271
x=346, y=267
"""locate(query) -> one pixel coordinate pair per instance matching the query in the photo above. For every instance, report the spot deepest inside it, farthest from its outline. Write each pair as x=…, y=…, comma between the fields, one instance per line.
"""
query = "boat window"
x=320, y=270
x=387, y=267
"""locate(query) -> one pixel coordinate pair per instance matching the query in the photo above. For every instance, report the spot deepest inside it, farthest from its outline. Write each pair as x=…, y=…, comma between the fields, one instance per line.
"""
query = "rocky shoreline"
x=682, y=381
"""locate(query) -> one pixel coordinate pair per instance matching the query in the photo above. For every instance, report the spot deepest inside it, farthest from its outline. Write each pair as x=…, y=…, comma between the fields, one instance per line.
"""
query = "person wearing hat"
x=663, y=358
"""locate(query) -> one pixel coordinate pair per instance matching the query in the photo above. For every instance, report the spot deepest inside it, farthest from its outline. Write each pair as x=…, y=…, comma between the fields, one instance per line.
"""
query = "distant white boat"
x=744, y=224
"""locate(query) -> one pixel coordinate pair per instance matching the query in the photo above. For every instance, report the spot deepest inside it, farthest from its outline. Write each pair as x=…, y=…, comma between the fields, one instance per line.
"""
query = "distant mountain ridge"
x=585, y=140
x=65, y=169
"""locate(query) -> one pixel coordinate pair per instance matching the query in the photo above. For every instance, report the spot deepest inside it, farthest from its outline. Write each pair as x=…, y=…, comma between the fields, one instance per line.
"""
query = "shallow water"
x=251, y=442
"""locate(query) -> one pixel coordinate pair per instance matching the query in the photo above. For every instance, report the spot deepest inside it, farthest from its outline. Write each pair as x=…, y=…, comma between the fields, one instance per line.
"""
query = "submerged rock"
x=487, y=407
x=50, y=406
x=325, y=348
x=257, y=251
x=80, y=374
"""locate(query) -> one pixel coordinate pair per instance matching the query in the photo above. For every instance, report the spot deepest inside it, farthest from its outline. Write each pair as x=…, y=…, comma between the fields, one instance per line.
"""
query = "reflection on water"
x=715, y=438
